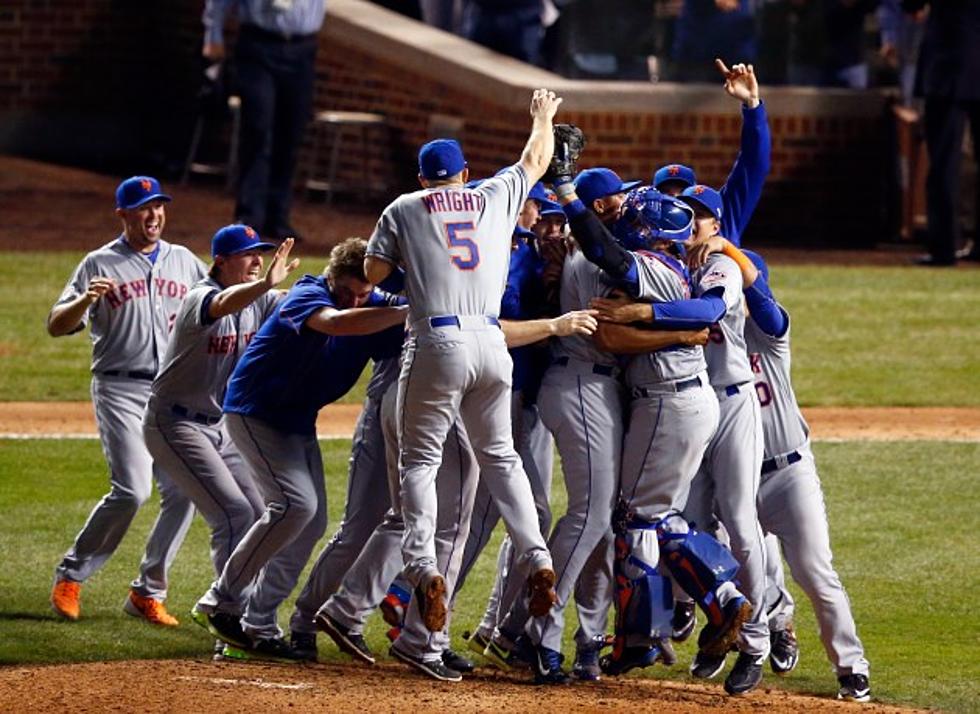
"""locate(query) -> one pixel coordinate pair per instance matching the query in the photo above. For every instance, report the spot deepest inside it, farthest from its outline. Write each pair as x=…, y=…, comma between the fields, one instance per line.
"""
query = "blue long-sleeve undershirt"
x=743, y=187
x=694, y=314
x=764, y=310
x=601, y=248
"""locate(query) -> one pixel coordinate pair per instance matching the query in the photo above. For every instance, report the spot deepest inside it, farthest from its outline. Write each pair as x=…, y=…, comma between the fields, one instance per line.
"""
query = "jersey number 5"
x=457, y=235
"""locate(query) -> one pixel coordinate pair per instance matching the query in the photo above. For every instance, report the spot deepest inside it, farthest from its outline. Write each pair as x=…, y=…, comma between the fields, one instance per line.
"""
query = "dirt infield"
x=57, y=419
x=181, y=686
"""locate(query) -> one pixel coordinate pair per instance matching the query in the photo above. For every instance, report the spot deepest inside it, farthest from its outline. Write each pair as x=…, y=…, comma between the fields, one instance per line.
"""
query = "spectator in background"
x=707, y=29
x=901, y=35
x=827, y=46
x=274, y=58
x=444, y=14
x=511, y=27
x=949, y=68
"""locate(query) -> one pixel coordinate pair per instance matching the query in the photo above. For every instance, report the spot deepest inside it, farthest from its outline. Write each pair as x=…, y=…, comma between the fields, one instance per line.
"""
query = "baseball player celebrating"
x=791, y=503
x=310, y=352
x=182, y=426
x=455, y=247
x=130, y=290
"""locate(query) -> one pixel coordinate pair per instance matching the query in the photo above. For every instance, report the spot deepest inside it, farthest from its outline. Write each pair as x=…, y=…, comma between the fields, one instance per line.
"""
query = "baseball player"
x=743, y=187
x=310, y=352
x=673, y=417
x=791, y=503
x=182, y=426
x=455, y=360
x=130, y=290
x=343, y=615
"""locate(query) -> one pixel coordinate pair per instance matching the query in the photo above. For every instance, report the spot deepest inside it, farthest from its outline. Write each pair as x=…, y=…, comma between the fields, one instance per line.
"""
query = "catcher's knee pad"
x=696, y=561
x=644, y=598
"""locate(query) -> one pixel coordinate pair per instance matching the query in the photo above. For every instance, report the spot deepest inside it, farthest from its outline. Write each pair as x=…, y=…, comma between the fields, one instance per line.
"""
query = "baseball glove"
x=569, y=142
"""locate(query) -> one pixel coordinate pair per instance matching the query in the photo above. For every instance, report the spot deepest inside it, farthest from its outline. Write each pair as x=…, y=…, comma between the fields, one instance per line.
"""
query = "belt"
x=272, y=36
x=603, y=369
x=456, y=321
x=781, y=462
x=681, y=386
x=145, y=376
x=732, y=389
x=205, y=419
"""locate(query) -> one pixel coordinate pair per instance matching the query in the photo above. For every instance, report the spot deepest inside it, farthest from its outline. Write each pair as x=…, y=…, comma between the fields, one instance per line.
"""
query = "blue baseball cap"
x=547, y=201
x=674, y=172
x=235, y=239
x=599, y=183
x=524, y=233
x=440, y=159
x=704, y=197
x=138, y=190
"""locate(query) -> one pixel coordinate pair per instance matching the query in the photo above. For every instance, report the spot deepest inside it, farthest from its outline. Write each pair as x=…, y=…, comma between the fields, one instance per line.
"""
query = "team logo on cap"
x=674, y=170
x=698, y=190
x=146, y=185
x=250, y=232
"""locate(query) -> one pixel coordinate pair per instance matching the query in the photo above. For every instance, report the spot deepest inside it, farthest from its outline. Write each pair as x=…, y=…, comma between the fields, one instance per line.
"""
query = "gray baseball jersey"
x=580, y=282
x=131, y=323
x=661, y=282
x=427, y=229
x=783, y=427
x=195, y=370
x=728, y=362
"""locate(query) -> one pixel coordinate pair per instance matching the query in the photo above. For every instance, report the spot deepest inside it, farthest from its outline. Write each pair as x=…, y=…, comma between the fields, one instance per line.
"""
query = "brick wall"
x=103, y=83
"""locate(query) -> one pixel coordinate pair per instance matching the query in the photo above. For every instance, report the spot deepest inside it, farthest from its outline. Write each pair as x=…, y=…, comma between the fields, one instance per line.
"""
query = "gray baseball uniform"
x=791, y=503
x=449, y=240
x=367, y=502
x=182, y=426
x=130, y=328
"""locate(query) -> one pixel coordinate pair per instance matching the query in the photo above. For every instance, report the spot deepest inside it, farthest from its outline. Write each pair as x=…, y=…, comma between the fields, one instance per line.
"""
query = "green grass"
x=903, y=522
x=862, y=335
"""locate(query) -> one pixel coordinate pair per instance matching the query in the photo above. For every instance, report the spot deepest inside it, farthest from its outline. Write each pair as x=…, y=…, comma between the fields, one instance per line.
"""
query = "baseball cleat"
x=476, y=642
x=223, y=625
x=541, y=588
x=434, y=668
x=272, y=649
x=393, y=606
x=150, y=609
x=456, y=661
x=431, y=599
x=498, y=655
x=218, y=653
x=631, y=658
x=784, y=651
x=705, y=666
x=547, y=666
x=684, y=621
x=349, y=642
x=745, y=675
x=854, y=688
x=716, y=640
x=65, y=598
x=586, y=667
x=393, y=633
x=304, y=645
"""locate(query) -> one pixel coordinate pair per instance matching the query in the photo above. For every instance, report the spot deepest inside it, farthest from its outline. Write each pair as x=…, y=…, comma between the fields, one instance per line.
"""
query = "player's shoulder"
x=718, y=267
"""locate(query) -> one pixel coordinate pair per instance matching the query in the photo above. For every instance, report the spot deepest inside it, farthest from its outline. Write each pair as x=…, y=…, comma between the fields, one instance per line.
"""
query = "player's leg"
x=535, y=446
x=793, y=508
x=484, y=520
x=119, y=406
x=784, y=649
x=593, y=601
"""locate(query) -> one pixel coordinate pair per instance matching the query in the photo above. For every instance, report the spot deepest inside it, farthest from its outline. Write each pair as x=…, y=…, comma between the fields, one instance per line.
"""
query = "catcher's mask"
x=648, y=216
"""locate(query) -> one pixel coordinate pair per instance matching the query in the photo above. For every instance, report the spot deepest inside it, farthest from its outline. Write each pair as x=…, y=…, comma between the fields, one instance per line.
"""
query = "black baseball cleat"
x=271, y=649
x=745, y=675
x=706, y=666
x=854, y=688
x=631, y=658
x=223, y=625
x=304, y=644
x=586, y=667
x=430, y=595
x=349, y=642
x=454, y=660
x=547, y=667
x=784, y=651
x=432, y=668
x=684, y=621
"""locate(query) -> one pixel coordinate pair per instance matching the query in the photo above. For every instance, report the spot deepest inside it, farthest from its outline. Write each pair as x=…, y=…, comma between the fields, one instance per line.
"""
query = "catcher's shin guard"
x=697, y=562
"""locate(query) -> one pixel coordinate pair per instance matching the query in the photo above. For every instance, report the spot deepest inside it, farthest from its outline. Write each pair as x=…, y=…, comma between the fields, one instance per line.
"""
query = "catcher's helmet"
x=648, y=215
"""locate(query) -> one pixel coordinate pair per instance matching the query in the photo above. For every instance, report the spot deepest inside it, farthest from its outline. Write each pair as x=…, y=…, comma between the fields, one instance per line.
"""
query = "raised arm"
x=234, y=298
x=541, y=143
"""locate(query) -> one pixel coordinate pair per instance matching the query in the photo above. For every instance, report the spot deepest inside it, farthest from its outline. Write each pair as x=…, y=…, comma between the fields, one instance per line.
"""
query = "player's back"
x=454, y=243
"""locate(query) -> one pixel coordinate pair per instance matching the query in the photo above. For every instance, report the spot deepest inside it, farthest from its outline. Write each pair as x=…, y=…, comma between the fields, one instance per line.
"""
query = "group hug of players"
x=656, y=357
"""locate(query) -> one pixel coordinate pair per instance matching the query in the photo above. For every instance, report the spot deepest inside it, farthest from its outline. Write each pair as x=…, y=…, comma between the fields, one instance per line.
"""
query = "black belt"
x=205, y=419
x=732, y=389
x=453, y=321
x=602, y=369
x=270, y=36
x=770, y=465
x=145, y=376
x=683, y=386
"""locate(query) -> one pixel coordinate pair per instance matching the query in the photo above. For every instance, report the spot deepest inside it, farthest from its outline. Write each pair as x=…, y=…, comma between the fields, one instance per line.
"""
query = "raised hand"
x=544, y=104
x=740, y=82
x=281, y=266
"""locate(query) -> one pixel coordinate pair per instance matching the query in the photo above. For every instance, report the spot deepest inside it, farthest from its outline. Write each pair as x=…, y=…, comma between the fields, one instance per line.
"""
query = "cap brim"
x=675, y=179
x=155, y=197
x=261, y=245
x=629, y=186
x=697, y=205
x=546, y=206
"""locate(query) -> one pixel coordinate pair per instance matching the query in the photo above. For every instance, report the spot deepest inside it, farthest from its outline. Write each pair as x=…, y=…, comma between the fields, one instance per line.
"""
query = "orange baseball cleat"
x=153, y=611
x=65, y=598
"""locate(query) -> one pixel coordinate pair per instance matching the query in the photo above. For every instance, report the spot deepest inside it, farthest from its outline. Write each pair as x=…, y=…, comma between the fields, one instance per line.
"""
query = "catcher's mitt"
x=569, y=142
